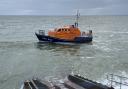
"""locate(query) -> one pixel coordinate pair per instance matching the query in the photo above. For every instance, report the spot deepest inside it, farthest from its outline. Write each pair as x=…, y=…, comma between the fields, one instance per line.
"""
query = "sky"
x=63, y=7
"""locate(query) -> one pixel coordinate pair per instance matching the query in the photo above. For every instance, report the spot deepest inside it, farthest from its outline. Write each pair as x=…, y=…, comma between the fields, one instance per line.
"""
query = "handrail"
x=42, y=32
x=119, y=76
x=29, y=85
x=121, y=80
x=34, y=84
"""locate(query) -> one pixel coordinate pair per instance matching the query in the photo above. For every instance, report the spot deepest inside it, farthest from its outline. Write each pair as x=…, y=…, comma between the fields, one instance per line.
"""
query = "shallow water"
x=22, y=57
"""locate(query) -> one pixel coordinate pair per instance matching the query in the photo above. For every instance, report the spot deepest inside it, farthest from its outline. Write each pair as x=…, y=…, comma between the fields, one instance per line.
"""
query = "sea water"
x=23, y=57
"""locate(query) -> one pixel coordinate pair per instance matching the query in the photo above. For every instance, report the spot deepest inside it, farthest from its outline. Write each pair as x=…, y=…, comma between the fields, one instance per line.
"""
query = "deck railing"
x=42, y=32
x=117, y=80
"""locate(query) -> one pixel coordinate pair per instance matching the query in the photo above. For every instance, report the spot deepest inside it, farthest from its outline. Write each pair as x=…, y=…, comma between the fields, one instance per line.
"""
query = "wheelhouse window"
x=63, y=30
x=59, y=30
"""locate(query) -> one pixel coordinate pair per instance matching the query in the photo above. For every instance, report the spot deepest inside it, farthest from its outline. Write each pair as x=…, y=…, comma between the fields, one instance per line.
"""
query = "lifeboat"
x=70, y=33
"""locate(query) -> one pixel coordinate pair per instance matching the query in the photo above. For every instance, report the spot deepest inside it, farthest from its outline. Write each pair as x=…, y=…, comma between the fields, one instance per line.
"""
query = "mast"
x=77, y=18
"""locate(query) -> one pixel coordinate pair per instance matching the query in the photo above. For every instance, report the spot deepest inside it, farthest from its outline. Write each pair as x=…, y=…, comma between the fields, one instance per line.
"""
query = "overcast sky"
x=63, y=7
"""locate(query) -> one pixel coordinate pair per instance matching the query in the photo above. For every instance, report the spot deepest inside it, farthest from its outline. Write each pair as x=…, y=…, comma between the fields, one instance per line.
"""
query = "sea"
x=23, y=57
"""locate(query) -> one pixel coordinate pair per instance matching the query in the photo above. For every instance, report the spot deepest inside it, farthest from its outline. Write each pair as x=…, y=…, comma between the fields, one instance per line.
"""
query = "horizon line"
x=63, y=15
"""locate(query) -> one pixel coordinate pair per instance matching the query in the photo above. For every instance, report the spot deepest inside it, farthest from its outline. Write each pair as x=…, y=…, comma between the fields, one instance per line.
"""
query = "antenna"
x=77, y=18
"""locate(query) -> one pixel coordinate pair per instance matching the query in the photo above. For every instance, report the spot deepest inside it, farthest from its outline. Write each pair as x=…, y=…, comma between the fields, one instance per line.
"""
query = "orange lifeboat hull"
x=65, y=34
x=80, y=39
